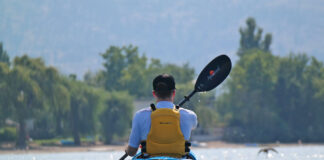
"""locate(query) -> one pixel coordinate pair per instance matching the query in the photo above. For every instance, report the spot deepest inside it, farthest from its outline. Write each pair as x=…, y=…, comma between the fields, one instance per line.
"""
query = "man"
x=170, y=126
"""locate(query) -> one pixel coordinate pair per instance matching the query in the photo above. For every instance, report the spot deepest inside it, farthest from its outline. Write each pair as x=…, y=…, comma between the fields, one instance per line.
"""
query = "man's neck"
x=158, y=100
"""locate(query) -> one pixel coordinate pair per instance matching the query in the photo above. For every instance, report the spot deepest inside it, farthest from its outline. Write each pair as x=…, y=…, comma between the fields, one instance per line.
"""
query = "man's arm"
x=194, y=120
x=191, y=118
x=134, y=138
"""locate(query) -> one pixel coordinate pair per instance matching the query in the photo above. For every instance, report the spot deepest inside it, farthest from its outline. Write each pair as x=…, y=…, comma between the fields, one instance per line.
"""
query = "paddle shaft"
x=187, y=98
x=124, y=156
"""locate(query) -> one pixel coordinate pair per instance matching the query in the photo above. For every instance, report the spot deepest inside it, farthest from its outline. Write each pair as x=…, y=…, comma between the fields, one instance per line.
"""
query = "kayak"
x=190, y=155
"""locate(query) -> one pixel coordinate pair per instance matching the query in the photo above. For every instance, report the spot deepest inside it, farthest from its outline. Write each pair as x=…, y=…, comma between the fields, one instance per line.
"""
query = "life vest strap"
x=153, y=107
x=187, y=147
x=143, y=144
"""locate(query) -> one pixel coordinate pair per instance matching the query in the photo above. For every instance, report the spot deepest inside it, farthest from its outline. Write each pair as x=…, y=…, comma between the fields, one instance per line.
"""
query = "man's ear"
x=154, y=94
x=173, y=93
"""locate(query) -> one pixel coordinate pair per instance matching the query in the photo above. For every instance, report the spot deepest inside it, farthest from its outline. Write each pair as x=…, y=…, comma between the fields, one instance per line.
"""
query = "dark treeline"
x=271, y=98
x=267, y=98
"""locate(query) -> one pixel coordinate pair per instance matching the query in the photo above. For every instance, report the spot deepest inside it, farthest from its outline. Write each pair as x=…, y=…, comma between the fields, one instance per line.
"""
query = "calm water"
x=285, y=153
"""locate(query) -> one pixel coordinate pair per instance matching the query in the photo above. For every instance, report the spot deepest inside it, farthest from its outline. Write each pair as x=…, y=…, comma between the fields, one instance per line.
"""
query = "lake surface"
x=251, y=153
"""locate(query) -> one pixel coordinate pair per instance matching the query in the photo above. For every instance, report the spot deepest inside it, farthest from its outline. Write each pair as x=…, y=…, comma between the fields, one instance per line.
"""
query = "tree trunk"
x=58, y=129
x=76, y=137
x=21, y=143
x=75, y=124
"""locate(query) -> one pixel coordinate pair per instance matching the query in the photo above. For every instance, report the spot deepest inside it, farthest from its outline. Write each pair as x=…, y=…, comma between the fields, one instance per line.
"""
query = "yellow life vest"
x=165, y=137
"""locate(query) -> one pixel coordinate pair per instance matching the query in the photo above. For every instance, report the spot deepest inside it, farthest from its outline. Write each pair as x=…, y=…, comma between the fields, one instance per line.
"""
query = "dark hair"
x=163, y=85
x=163, y=93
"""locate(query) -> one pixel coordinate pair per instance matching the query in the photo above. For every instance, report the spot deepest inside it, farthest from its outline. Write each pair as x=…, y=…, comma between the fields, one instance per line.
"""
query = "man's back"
x=142, y=123
x=164, y=128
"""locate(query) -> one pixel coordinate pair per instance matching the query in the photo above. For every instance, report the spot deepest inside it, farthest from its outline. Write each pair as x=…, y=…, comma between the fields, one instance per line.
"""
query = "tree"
x=3, y=55
x=126, y=70
x=134, y=74
x=95, y=79
x=252, y=79
x=114, y=64
x=25, y=99
x=116, y=116
x=296, y=92
x=84, y=102
x=270, y=98
x=77, y=99
x=58, y=97
x=251, y=39
x=289, y=94
x=182, y=74
x=41, y=74
x=34, y=92
x=316, y=129
x=4, y=70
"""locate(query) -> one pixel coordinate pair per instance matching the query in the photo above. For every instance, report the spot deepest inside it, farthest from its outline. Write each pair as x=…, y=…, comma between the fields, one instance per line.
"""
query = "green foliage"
x=116, y=116
x=24, y=92
x=114, y=64
x=252, y=79
x=182, y=74
x=95, y=79
x=4, y=58
x=273, y=99
x=48, y=142
x=267, y=98
x=64, y=106
x=34, y=91
x=126, y=70
x=252, y=39
x=4, y=69
x=84, y=103
x=59, y=106
x=25, y=96
x=8, y=134
x=296, y=93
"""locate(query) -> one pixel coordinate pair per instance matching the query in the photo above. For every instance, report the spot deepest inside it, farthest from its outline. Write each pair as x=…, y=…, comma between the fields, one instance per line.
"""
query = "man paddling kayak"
x=164, y=129
x=171, y=126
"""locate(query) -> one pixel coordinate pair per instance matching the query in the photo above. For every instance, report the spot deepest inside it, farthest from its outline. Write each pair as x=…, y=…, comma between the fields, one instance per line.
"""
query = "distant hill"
x=71, y=34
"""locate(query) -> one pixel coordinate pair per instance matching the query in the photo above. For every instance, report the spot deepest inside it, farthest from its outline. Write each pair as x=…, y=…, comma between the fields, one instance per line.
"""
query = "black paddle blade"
x=213, y=74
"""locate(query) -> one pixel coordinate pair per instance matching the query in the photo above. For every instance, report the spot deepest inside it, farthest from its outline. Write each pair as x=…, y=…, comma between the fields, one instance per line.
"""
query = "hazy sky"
x=71, y=34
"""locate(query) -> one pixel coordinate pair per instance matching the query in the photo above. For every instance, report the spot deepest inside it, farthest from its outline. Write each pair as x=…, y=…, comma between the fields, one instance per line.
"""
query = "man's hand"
x=131, y=151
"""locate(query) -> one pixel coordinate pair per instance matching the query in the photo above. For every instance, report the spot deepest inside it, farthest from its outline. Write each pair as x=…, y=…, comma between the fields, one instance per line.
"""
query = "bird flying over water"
x=266, y=150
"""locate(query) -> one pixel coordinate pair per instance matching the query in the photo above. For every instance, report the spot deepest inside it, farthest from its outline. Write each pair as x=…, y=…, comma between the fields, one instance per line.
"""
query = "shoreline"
x=110, y=148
